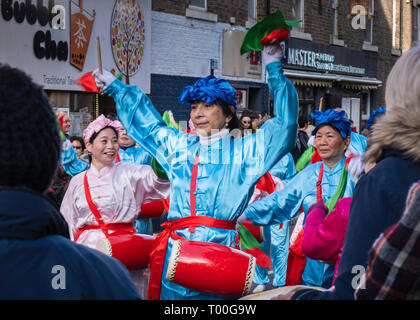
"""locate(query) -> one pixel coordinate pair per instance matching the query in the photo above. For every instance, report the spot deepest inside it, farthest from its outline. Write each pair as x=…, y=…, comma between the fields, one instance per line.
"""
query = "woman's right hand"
x=271, y=53
x=104, y=79
x=241, y=219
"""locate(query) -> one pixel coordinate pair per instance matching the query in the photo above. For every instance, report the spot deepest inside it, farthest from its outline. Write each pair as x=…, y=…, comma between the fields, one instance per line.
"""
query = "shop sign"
x=50, y=40
x=44, y=46
x=81, y=30
x=307, y=55
x=320, y=61
x=235, y=65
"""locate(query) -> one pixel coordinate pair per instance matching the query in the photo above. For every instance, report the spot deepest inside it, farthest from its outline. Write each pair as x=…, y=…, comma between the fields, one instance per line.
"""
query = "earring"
x=226, y=124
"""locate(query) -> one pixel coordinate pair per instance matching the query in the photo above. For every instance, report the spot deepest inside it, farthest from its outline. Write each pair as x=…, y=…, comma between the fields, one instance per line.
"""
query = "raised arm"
x=283, y=205
x=71, y=164
x=278, y=135
x=141, y=120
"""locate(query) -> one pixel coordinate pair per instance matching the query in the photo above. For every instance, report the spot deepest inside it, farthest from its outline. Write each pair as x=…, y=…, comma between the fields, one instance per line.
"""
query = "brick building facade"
x=358, y=54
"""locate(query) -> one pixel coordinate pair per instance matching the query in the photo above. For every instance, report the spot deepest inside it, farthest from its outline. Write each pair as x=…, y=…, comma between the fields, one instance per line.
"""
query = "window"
x=394, y=24
x=199, y=4
x=252, y=10
x=335, y=21
x=298, y=13
x=417, y=25
x=369, y=23
x=197, y=9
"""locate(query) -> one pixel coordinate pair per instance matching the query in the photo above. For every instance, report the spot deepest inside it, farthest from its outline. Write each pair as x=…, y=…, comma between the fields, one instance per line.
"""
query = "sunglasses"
x=77, y=148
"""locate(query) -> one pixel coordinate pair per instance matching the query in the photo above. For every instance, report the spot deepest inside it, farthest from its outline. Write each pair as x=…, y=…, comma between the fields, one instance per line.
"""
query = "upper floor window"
x=417, y=25
x=298, y=13
x=335, y=18
x=252, y=10
x=202, y=4
x=369, y=21
x=394, y=24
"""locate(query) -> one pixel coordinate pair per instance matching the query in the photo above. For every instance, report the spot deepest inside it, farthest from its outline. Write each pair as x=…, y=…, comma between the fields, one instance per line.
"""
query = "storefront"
x=55, y=43
x=335, y=77
x=250, y=88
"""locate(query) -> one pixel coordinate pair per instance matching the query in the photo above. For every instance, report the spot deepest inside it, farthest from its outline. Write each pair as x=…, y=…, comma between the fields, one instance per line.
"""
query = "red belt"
x=157, y=255
x=117, y=228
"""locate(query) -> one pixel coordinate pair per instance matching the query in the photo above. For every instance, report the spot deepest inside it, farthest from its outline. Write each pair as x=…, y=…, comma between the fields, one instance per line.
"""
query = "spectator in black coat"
x=379, y=196
x=301, y=139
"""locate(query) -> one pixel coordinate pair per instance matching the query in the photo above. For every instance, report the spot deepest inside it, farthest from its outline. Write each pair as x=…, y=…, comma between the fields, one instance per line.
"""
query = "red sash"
x=157, y=255
x=118, y=228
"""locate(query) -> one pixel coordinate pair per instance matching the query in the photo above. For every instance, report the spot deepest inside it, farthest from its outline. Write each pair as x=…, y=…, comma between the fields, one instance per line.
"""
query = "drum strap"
x=117, y=228
x=157, y=255
x=338, y=194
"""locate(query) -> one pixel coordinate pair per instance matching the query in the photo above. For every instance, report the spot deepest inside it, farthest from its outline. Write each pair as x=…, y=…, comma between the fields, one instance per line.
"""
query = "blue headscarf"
x=208, y=89
x=375, y=113
x=336, y=119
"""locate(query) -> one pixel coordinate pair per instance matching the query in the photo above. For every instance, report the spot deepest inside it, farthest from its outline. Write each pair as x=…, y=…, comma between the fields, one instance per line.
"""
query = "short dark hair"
x=80, y=139
x=234, y=123
x=302, y=121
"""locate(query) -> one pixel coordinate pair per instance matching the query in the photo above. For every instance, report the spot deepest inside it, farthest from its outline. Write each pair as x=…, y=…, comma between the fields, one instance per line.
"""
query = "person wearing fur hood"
x=393, y=162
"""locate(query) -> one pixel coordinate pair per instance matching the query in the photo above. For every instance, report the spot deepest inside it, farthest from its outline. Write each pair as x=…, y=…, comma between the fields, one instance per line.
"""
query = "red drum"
x=154, y=209
x=131, y=249
x=256, y=231
x=211, y=268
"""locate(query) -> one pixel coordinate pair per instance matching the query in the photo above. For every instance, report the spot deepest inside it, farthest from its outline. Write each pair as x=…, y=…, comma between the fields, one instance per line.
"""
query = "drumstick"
x=98, y=53
x=320, y=104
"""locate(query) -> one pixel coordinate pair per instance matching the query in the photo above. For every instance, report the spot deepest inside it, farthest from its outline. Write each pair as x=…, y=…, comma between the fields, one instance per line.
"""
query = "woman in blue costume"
x=130, y=152
x=276, y=236
x=222, y=171
x=332, y=138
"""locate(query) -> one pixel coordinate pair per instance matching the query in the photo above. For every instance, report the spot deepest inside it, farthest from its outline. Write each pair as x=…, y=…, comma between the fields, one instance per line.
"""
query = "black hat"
x=28, y=132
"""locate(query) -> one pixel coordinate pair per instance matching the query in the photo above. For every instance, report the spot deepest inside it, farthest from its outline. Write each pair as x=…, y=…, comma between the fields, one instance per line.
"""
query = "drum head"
x=104, y=246
x=269, y=294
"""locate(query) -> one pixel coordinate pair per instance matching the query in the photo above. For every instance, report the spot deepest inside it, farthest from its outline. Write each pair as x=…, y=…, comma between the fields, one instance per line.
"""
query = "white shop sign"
x=27, y=45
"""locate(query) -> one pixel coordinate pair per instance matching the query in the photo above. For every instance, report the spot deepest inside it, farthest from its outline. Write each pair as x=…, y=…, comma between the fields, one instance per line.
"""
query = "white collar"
x=101, y=172
x=208, y=140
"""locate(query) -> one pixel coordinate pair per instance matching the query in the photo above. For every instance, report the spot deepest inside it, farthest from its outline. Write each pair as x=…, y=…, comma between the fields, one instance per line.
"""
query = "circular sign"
x=127, y=35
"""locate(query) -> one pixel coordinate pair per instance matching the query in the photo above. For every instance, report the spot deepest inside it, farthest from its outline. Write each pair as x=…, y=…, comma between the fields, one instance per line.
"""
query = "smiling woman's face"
x=104, y=148
x=207, y=117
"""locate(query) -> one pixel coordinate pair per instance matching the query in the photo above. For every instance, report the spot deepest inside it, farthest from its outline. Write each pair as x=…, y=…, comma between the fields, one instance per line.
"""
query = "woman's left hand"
x=241, y=219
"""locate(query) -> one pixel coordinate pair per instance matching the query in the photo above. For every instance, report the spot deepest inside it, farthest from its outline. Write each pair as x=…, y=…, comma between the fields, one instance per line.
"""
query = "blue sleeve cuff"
x=275, y=66
x=114, y=87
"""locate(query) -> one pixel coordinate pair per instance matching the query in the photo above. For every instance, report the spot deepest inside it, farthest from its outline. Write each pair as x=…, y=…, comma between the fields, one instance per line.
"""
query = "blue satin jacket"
x=284, y=205
x=135, y=154
x=71, y=163
x=276, y=244
x=228, y=169
x=358, y=142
